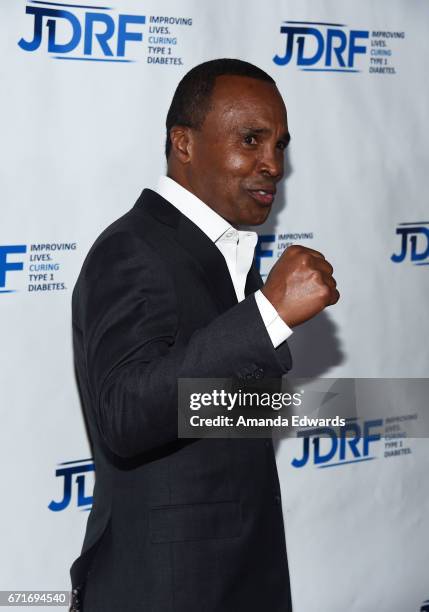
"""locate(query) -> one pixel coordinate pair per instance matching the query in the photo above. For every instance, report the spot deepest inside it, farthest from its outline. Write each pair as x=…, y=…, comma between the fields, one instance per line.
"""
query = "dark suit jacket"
x=176, y=525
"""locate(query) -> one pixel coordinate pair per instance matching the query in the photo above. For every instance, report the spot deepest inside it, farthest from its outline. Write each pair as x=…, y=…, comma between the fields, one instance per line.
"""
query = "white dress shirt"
x=237, y=247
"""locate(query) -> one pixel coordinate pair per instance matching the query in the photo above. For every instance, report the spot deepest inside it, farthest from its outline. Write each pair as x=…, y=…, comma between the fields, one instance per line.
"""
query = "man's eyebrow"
x=258, y=130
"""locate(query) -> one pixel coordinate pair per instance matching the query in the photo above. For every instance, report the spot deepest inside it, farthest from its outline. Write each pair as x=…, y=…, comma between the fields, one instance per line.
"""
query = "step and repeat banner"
x=85, y=91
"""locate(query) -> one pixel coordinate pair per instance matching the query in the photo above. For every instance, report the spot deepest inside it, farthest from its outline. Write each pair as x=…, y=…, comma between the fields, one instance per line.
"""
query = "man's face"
x=236, y=158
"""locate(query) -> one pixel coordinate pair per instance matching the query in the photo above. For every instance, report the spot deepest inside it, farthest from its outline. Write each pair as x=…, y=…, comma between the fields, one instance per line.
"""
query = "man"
x=170, y=291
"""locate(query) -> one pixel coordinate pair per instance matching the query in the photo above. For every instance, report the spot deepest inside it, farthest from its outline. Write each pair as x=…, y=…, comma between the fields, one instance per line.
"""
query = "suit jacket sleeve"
x=126, y=314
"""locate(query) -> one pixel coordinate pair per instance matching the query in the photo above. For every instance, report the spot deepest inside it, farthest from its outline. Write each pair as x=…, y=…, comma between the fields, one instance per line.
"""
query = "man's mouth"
x=263, y=196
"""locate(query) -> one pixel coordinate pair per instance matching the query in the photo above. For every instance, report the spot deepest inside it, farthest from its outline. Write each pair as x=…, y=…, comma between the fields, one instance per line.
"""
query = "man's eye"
x=281, y=145
x=250, y=140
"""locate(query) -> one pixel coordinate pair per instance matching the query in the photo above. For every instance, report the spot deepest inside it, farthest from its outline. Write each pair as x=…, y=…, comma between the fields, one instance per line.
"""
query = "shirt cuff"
x=277, y=329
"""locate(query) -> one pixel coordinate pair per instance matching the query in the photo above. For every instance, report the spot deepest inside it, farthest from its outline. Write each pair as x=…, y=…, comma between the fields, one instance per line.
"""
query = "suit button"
x=75, y=605
x=259, y=373
x=278, y=499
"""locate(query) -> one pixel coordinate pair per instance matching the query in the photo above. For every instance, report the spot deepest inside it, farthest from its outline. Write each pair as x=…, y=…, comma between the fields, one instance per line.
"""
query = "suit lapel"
x=204, y=253
x=212, y=263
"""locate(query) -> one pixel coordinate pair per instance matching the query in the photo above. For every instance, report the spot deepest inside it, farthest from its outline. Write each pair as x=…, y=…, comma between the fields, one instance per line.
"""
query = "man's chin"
x=249, y=214
x=258, y=217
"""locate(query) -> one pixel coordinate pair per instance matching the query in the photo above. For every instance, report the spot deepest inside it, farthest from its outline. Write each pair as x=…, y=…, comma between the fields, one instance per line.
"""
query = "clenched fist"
x=300, y=285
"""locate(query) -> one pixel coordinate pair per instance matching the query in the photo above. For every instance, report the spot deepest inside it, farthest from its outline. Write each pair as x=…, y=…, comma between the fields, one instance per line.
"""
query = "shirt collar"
x=208, y=220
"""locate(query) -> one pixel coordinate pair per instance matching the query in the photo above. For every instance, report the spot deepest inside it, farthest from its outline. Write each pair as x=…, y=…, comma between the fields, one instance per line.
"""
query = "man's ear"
x=181, y=143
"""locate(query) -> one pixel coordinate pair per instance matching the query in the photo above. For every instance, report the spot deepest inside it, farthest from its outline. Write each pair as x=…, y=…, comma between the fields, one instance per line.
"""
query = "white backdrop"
x=82, y=132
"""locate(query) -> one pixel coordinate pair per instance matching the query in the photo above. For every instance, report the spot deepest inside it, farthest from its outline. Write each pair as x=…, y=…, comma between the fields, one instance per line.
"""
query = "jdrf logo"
x=271, y=246
x=263, y=249
x=330, y=47
x=8, y=266
x=330, y=449
x=415, y=236
x=74, y=472
x=91, y=33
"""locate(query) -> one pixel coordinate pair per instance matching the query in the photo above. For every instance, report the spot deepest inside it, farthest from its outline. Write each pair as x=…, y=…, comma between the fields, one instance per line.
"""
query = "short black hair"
x=191, y=100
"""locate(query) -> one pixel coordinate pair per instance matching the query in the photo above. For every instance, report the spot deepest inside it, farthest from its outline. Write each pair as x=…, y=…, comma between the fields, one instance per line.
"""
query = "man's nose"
x=271, y=162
